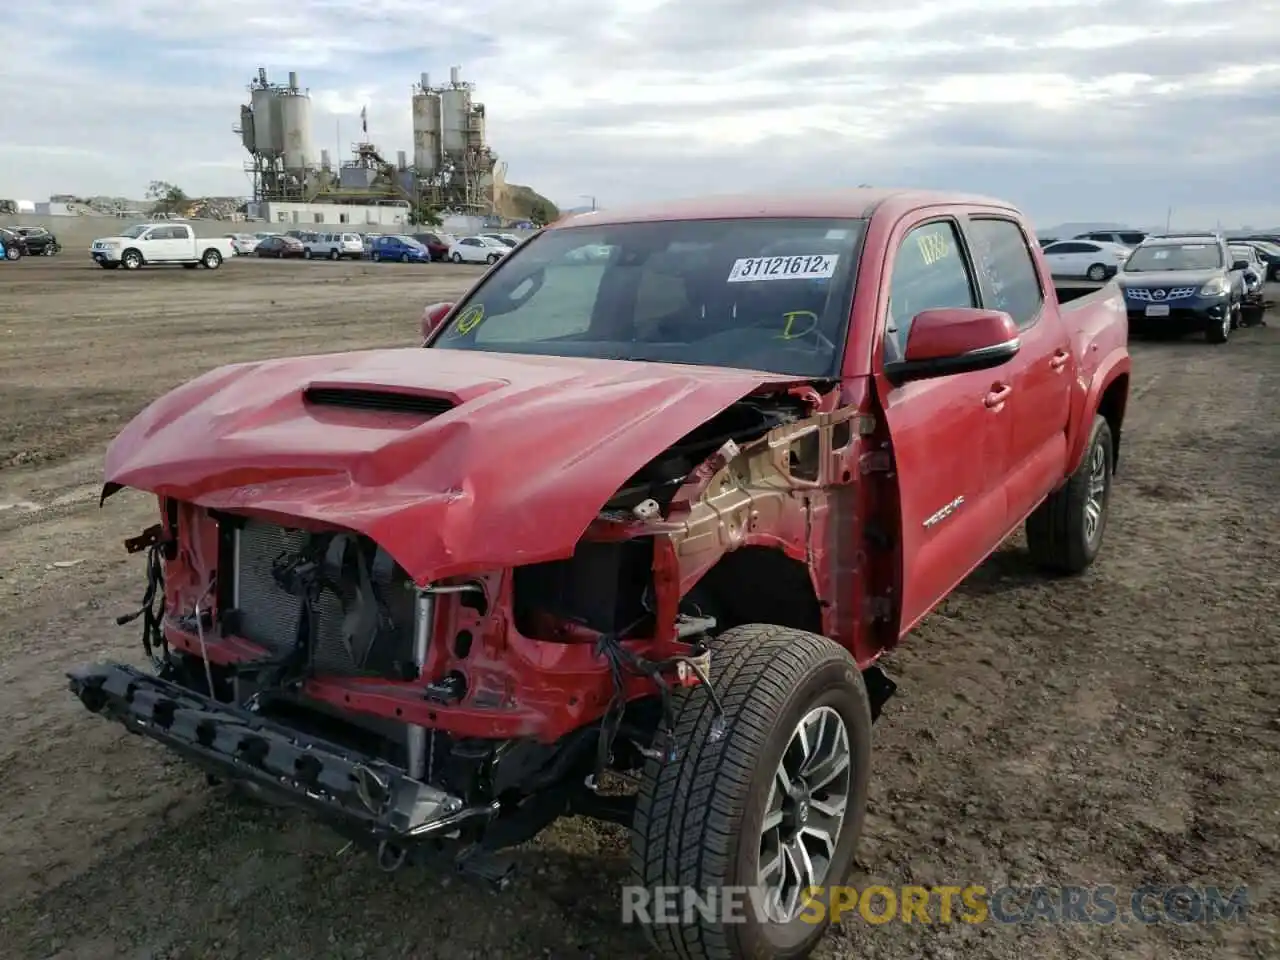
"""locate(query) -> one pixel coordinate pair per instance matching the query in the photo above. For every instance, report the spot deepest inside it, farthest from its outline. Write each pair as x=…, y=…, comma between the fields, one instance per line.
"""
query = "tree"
x=166, y=197
x=424, y=215
x=541, y=213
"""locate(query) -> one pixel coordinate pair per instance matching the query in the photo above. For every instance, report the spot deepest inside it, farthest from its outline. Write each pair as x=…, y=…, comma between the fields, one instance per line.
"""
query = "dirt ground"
x=1120, y=729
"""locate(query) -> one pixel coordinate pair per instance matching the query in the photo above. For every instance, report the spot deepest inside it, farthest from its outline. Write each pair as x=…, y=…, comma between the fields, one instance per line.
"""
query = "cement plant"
x=452, y=168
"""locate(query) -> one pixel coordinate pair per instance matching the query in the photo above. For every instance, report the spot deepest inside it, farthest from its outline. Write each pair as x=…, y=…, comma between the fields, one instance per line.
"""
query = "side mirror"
x=955, y=340
x=1240, y=265
x=433, y=317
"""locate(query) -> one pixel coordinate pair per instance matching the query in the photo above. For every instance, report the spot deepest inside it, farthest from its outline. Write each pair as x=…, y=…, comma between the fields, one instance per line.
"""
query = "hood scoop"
x=377, y=400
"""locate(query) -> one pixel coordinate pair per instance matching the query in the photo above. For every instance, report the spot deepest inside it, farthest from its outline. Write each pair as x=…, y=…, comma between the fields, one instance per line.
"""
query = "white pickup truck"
x=160, y=243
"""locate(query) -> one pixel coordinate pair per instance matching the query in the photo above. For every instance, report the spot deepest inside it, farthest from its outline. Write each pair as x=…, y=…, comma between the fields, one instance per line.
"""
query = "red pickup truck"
x=653, y=501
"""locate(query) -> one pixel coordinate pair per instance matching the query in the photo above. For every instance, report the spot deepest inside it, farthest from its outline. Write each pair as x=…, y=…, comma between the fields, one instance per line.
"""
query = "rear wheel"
x=212, y=259
x=333, y=254
x=375, y=256
x=404, y=258
x=1097, y=272
x=306, y=253
x=1064, y=534
x=12, y=253
x=491, y=259
x=775, y=800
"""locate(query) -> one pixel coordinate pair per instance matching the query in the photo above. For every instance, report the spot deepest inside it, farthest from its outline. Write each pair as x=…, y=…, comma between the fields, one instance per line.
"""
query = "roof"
x=857, y=203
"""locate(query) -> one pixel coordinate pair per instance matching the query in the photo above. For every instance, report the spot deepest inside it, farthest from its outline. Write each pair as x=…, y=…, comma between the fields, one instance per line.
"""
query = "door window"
x=1007, y=271
x=929, y=273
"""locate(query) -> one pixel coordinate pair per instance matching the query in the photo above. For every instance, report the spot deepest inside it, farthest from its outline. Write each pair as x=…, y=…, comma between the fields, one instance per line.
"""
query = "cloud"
x=1075, y=109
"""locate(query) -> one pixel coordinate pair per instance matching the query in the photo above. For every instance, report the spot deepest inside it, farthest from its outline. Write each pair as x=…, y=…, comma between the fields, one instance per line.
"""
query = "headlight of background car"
x=1214, y=288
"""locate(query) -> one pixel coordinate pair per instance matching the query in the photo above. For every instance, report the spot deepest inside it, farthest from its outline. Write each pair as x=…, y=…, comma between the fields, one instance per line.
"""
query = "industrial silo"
x=455, y=109
x=266, y=127
x=295, y=125
x=426, y=129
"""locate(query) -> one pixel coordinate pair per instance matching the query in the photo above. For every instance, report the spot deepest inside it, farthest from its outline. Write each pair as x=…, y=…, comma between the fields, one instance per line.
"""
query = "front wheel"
x=1064, y=534
x=333, y=254
x=404, y=258
x=1097, y=273
x=456, y=258
x=1221, y=332
x=131, y=260
x=773, y=800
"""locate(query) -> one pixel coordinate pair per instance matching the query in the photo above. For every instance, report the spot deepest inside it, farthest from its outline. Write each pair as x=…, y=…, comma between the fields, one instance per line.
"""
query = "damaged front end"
x=301, y=658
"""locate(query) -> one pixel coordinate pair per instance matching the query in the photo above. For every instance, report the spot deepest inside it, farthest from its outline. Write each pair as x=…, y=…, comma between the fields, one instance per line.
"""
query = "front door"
x=1040, y=374
x=950, y=435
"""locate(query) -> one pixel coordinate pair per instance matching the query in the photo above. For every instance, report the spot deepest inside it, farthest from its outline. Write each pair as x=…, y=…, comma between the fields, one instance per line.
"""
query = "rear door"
x=950, y=435
x=1040, y=375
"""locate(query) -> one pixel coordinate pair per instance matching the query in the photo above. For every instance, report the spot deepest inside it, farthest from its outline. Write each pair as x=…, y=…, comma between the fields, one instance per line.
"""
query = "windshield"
x=1244, y=253
x=1174, y=256
x=133, y=232
x=409, y=242
x=760, y=294
x=1266, y=246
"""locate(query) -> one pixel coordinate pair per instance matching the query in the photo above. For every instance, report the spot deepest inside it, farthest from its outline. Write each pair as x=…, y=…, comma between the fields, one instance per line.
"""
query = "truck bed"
x=1074, y=294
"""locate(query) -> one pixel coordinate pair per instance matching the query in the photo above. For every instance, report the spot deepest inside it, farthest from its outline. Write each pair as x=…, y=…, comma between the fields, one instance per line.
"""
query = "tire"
x=1097, y=273
x=1221, y=332
x=109, y=266
x=131, y=260
x=404, y=258
x=12, y=253
x=375, y=257
x=699, y=818
x=491, y=259
x=306, y=253
x=333, y=254
x=1058, y=532
x=211, y=260
x=456, y=257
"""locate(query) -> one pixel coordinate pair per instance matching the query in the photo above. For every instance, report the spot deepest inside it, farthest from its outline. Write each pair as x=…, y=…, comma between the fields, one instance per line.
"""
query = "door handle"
x=998, y=395
x=1059, y=360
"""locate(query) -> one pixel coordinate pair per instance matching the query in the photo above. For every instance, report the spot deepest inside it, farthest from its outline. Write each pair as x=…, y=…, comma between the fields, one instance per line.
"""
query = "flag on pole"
x=364, y=119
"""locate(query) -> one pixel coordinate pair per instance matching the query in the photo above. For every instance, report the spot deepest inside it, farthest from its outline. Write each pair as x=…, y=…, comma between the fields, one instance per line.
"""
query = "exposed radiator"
x=269, y=615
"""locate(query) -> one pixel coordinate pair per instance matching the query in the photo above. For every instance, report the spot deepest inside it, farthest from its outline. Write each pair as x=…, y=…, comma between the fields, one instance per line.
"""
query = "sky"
x=1077, y=110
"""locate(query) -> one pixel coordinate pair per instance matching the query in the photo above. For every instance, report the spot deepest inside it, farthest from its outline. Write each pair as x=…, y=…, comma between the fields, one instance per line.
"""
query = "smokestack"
x=324, y=160
x=401, y=161
x=454, y=74
x=426, y=81
x=293, y=80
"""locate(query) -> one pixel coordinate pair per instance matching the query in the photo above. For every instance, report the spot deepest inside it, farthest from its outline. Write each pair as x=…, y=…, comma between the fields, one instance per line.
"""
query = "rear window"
x=765, y=294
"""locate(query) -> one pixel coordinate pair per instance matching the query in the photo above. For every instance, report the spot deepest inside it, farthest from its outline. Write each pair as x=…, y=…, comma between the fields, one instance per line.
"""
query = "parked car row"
x=380, y=248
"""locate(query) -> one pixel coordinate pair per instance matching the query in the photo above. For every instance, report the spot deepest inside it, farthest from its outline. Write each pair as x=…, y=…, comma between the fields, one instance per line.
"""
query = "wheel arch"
x=759, y=584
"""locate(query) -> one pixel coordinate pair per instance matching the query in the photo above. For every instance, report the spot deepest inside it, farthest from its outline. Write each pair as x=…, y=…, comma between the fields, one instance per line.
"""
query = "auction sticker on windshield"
x=817, y=266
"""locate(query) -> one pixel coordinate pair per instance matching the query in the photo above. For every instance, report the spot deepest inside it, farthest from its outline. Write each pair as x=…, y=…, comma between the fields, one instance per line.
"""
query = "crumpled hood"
x=530, y=451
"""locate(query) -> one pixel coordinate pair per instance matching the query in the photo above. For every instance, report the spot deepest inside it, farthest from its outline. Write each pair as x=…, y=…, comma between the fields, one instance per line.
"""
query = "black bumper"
x=363, y=797
x=1191, y=319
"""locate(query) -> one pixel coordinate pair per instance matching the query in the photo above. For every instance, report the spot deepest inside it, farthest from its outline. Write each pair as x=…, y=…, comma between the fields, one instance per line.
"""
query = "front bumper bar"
x=363, y=797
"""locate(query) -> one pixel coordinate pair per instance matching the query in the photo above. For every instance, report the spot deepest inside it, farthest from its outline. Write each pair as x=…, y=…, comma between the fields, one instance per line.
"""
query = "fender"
x=1116, y=364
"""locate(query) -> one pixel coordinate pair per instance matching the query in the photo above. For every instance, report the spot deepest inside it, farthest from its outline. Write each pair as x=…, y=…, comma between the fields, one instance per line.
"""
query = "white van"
x=335, y=246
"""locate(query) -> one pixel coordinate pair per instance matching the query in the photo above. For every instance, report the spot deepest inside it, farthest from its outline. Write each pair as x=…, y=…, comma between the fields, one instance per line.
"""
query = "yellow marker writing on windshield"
x=796, y=318
x=469, y=320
